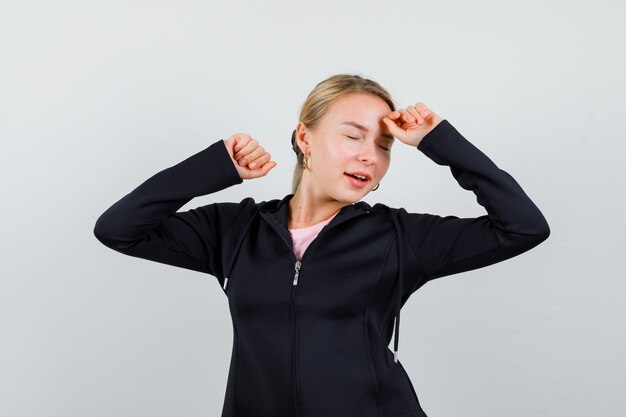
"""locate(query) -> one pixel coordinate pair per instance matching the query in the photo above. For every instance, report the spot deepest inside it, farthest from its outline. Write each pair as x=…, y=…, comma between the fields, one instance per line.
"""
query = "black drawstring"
x=234, y=258
x=398, y=304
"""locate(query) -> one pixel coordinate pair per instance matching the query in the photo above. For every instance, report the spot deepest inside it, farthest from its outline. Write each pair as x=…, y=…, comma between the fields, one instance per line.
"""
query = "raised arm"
x=145, y=222
x=449, y=245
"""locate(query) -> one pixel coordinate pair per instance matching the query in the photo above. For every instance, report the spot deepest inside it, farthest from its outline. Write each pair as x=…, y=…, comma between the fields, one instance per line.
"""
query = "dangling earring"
x=305, y=160
x=376, y=188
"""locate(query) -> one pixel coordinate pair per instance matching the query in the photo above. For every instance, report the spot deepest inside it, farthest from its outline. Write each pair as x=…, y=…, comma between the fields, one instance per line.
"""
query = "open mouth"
x=356, y=180
x=358, y=177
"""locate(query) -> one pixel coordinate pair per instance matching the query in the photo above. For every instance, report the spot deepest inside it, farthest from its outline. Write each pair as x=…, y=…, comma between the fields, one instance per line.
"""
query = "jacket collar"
x=278, y=211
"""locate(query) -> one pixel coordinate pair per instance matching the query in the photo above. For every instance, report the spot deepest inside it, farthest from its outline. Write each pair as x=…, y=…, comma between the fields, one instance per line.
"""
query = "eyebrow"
x=363, y=128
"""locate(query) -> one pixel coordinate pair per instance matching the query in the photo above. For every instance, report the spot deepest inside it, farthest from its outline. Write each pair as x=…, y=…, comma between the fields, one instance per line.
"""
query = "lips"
x=360, y=174
x=356, y=182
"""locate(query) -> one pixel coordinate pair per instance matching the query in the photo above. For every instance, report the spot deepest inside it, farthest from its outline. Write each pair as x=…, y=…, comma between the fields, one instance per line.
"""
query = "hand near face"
x=410, y=125
x=250, y=159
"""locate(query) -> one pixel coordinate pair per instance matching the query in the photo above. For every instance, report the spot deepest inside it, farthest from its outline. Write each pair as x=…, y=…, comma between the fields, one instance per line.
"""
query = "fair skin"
x=337, y=147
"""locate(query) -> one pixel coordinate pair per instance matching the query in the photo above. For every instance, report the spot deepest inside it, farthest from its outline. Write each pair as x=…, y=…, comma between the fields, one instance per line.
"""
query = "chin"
x=343, y=198
x=351, y=196
x=356, y=199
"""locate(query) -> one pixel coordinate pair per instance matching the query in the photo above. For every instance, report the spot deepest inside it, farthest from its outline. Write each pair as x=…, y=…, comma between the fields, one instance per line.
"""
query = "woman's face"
x=350, y=138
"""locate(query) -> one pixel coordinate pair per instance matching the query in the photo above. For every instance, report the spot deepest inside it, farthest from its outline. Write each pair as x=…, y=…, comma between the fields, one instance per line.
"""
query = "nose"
x=367, y=153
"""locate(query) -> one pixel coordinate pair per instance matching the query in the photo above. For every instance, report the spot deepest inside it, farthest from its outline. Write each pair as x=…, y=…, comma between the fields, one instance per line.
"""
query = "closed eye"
x=382, y=147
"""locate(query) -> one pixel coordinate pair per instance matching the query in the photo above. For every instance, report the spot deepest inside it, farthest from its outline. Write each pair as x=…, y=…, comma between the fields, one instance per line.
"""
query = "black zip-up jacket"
x=311, y=338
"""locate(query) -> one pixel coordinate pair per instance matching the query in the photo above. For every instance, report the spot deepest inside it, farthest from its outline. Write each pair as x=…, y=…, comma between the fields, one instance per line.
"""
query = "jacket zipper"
x=294, y=333
x=294, y=322
x=294, y=327
x=295, y=278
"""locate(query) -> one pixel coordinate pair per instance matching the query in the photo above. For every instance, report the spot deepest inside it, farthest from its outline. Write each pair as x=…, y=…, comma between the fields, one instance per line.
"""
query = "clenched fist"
x=413, y=124
x=250, y=158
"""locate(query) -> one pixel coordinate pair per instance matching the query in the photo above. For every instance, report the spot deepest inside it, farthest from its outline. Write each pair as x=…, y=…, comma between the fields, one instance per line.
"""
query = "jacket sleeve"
x=145, y=222
x=449, y=245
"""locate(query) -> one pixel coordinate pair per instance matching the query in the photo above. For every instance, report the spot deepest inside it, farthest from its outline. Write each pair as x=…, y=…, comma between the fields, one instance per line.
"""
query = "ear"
x=302, y=137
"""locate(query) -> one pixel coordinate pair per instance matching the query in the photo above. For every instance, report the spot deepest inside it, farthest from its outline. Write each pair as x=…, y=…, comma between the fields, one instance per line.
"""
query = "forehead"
x=361, y=111
x=360, y=107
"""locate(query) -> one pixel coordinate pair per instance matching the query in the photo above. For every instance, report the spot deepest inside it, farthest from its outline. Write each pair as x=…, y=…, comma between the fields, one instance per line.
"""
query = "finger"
x=260, y=160
x=249, y=147
x=423, y=110
x=241, y=139
x=393, y=115
x=393, y=128
x=245, y=159
x=415, y=113
x=408, y=117
x=266, y=167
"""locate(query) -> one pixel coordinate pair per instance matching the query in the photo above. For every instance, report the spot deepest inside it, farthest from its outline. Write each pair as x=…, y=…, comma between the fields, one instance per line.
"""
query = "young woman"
x=315, y=280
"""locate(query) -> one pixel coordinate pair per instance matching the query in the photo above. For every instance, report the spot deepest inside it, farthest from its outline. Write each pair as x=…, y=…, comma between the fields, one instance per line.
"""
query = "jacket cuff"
x=230, y=173
x=438, y=131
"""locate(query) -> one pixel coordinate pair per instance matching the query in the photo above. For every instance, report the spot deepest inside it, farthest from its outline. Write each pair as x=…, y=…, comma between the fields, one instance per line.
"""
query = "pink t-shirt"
x=304, y=236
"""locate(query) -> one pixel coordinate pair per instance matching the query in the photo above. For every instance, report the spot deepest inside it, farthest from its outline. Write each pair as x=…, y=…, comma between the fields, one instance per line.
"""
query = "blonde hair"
x=322, y=97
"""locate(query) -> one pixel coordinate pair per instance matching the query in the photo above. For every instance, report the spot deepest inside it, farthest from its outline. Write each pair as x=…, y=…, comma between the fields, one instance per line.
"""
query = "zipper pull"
x=295, y=278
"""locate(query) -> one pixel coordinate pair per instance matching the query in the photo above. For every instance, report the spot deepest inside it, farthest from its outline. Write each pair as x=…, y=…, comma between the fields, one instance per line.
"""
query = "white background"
x=95, y=97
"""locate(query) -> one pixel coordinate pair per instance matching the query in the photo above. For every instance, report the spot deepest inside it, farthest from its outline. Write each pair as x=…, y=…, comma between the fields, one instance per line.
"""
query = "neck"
x=306, y=209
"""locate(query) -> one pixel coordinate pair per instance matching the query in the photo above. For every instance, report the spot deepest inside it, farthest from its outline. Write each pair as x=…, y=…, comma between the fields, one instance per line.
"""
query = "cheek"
x=382, y=168
x=335, y=158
